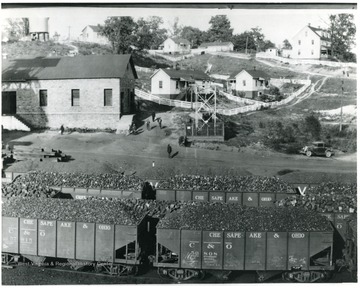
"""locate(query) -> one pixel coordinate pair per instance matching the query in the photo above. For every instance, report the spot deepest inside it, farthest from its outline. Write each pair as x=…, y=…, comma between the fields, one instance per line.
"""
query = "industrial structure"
x=39, y=29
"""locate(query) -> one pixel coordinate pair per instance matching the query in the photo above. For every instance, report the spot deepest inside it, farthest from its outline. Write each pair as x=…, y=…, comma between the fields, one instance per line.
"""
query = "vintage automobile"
x=317, y=148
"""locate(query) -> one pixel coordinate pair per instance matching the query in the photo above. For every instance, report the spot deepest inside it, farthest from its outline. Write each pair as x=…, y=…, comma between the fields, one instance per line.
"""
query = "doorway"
x=8, y=103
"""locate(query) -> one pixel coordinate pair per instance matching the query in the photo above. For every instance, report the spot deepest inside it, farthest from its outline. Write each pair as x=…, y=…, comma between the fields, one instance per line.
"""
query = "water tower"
x=39, y=29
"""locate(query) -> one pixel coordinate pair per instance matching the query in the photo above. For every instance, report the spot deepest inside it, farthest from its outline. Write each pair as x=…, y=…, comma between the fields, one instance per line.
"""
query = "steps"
x=124, y=123
x=13, y=123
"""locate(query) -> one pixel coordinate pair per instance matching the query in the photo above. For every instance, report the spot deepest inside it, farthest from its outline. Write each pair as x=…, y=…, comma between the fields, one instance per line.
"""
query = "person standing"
x=62, y=129
x=148, y=125
x=169, y=150
x=153, y=116
x=160, y=121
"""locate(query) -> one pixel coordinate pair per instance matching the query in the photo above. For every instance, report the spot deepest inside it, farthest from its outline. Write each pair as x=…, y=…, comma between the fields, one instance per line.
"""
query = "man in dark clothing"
x=169, y=149
x=160, y=121
x=153, y=116
x=148, y=125
x=62, y=129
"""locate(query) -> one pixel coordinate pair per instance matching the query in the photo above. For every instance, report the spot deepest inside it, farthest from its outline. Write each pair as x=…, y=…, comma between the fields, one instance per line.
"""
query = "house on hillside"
x=272, y=51
x=311, y=43
x=91, y=33
x=252, y=83
x=176, y=46
x=85, y=91
x=175, y=84
x=217, y=46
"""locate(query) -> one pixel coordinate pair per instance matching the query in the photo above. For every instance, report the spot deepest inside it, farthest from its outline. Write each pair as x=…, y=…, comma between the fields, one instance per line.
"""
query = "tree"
x=148, y=33
x=240, y=41
x=220, y=29
x=26, y=26
x=258, y=38
x=194, y=35
x=312, y=126
x=121, y=33
x=342, y=32
x=286, y=44
x=175, y=28
x=15, y=28
x=267, y=44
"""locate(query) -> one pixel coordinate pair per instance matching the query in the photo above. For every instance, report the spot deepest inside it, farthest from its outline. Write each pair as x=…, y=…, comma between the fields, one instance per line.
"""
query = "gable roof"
x=79, y=67
x=217, y=43
x=255, y=74
x=318, y=31
x=185, y=74
x=180, y=40
x=95, y=28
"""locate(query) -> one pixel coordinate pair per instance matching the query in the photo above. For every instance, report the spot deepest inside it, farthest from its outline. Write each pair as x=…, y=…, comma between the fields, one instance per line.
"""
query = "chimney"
x=309, y=24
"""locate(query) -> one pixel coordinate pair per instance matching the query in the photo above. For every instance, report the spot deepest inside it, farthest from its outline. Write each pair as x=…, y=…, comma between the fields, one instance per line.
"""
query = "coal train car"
x=115, y=249
x=50, y=233
x=299, y=254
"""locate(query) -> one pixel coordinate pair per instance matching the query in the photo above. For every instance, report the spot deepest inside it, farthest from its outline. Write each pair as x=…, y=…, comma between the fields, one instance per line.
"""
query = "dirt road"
x=145, y=154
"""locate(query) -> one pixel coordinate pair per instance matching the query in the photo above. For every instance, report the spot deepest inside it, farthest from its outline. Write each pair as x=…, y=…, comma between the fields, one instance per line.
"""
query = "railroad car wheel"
x=328, y=154
x=308, y=153
x=181, y=274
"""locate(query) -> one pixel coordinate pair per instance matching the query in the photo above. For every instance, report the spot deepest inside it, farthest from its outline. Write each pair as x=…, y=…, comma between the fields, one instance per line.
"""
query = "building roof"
x=95, y=28
x=186, y=75
x=210, y=44
x=318, y=31
x=180, y=40
x=256, y=74
x=79, y=67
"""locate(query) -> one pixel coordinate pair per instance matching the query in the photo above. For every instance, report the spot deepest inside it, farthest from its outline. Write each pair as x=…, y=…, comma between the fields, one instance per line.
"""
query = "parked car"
x=317, y=148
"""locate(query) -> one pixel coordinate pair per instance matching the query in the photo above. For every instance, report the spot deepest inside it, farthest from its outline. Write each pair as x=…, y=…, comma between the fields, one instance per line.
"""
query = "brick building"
x=84, y=91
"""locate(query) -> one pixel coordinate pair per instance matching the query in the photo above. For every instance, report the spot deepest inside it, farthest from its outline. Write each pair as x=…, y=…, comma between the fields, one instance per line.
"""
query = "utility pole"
x=247, y=37
x=341, y=99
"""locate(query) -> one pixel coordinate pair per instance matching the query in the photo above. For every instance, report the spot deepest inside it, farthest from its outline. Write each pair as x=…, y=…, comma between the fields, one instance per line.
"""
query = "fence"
x=305, y=61
x=251, y=106
x=144, y=69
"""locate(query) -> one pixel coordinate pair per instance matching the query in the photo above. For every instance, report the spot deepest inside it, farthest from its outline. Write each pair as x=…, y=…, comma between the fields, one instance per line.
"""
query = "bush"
x=274, y=90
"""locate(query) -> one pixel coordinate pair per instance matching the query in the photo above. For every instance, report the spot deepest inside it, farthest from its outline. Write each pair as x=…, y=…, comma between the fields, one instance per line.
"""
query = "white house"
x=252, y=83
x=174, y=84
x=91, y=34
x=217, y=46
x=272, y=51
x=176, y=46
x=311, y=43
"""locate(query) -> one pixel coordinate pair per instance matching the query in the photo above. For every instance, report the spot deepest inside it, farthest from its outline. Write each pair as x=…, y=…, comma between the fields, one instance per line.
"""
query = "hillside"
x=50, y=48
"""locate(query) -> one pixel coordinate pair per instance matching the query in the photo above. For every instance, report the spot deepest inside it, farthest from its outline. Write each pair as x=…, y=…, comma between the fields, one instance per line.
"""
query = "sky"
x=276, y=24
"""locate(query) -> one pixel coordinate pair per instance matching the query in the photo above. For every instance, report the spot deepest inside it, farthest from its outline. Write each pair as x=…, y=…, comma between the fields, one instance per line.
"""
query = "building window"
x=299, y=52
x=299, y=42
x=43, y=98
x=75, y=97
x=160, y=84
x=312, y=52
x=244, y=82
x=177, y=84
x=305, y=33
x=107, y=97
x=312, y=42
